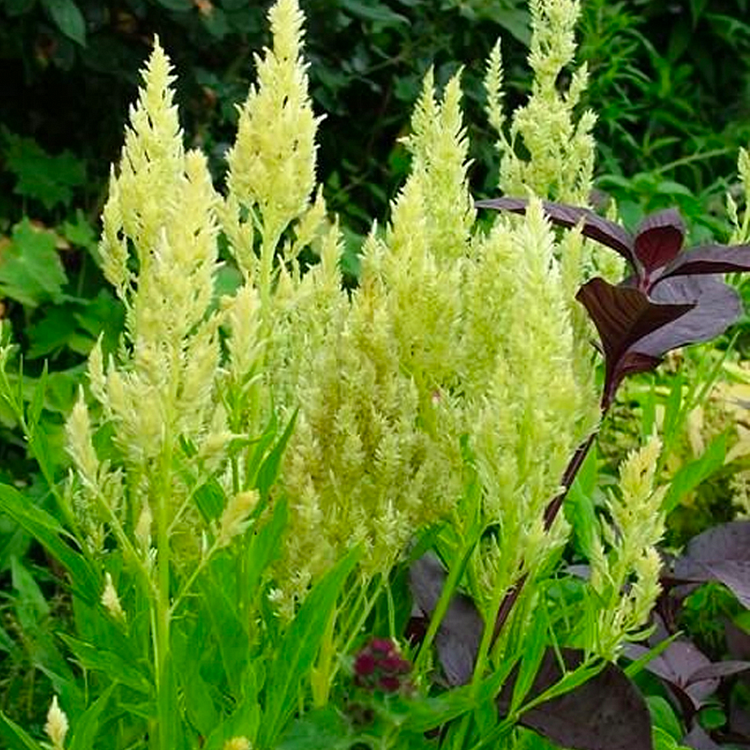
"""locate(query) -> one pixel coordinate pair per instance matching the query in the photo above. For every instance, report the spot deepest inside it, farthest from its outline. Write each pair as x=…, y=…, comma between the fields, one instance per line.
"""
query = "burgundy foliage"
x=671, y=299
x=605, y=713
x=719, y=554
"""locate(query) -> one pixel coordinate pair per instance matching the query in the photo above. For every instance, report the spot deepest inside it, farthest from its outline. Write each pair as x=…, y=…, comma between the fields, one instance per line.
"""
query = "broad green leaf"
x=80, y=232
x=29, y=596
x=689, y=476
x=30, y=268
x=220, y=606
x=189, y=652
x=210, y=499
x=663, y=716
x=245, y=718
x=299, y=648
x=16, y=737
x=46, y=178
x=68, y=18
x=48, y=532
x=114, y=666
x=216, y=23
x=243, y=721
x=664, y=741
x=323, y=728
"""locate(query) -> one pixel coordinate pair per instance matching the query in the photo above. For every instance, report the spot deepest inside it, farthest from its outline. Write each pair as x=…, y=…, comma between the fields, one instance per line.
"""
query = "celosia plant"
x=250, y=473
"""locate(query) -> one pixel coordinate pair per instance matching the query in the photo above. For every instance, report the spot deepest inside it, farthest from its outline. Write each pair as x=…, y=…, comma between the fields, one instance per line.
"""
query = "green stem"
x=436, y=616
x=162, y=614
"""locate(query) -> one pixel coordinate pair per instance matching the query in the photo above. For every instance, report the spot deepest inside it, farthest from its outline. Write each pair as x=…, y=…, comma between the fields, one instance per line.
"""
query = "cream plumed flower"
x=56, y=726
x=272, y=163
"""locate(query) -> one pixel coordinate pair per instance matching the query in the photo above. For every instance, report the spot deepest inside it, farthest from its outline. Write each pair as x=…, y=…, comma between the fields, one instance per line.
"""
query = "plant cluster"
x=301, y=515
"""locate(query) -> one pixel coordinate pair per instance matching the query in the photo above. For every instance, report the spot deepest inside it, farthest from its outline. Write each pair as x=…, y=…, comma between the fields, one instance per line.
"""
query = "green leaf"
x=30, y=268
x=265, y=546
x=53, y=333
x=665, y=741
x=210, y=499
x=299, y=648
x=48, y=532
x=68, y=18
x=80, y=232
x=114, y=666
x=49, y=179
x=427, y=713
x=87, y=725
x=243, y=721
x=373, y=11
x=216, y=23
x=37, y=401
x=229, y=630
x=269, y=469
x=317, y=729
x=15, y=736
x=663, y=716
x=689, y=476
x=30, y=597
x=535, y=647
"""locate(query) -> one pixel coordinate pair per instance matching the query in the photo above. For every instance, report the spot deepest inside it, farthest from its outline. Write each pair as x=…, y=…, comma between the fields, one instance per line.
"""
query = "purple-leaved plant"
x=672, y=297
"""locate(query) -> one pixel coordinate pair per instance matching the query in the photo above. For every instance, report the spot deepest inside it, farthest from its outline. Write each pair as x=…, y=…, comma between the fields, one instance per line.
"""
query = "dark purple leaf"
x=460, y=632
x=710, y=259
x=720, y=554
x=739, y=721
x=658, y=239
x=594, y=227
x=605, y=713
x=738, y=641
x=716, y=307
x=634, y=335
x=729, y=541
x=625, y=317
x=699, y=739
x=676, y=665
x=719, y=669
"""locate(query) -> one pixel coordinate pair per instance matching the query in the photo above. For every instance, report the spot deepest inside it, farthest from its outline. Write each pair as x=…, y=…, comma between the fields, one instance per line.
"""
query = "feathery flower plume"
x=56, y=726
